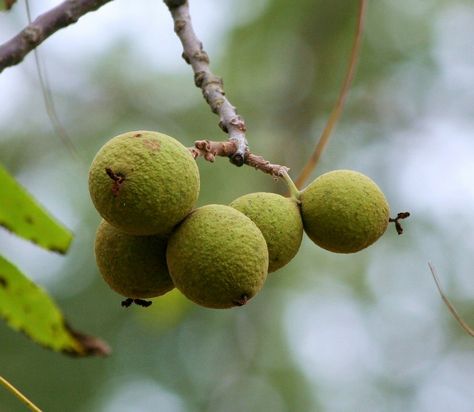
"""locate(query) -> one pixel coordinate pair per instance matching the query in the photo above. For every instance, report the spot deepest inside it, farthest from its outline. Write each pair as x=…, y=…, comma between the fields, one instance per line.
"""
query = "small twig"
x=337, y=110
x=450, y=306
x=19, y=395
x=211, y=85
x=236, y=148
x=396, y=220
x=209, y=150
x=14, y=50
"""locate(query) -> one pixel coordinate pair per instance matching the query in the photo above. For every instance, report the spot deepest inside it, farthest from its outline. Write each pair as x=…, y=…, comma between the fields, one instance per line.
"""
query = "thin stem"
x=59, y=129
x=450, y=306
x=19, y=395
x=294, y=192
x=339, y=106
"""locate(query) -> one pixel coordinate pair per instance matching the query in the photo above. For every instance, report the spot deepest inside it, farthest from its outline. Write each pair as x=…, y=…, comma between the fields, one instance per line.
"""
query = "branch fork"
x=209, y=149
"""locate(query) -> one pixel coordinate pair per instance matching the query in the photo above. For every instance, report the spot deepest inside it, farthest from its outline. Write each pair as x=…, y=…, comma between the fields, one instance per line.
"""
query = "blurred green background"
x=365, y=332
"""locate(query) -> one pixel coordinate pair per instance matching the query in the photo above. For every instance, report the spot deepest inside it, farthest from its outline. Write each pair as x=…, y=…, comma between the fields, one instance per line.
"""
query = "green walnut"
x=279, y=220
x=144, y=183
x=344, y=211
x=134, y=266
x=218, y=257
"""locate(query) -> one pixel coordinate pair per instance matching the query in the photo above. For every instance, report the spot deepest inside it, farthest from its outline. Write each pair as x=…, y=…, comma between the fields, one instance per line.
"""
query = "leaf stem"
x=338, y=107
x=19, y=395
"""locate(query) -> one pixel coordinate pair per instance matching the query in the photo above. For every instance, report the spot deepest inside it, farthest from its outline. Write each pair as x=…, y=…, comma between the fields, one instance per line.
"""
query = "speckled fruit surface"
x=344, y=211
x=279, y=220
x=134, y=266
x=218, y=257
x=144, y=183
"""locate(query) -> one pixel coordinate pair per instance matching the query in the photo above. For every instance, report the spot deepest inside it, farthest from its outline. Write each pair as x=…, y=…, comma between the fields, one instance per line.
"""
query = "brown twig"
x=210, y=84
x=209, y=150
x=338, y=107
x=450, y=306
x=236, y=148
x=14, y=50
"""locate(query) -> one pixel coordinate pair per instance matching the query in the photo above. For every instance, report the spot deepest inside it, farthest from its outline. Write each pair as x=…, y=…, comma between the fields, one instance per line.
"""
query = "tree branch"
x=14, y=50
x=209, y=150
x=210, y=84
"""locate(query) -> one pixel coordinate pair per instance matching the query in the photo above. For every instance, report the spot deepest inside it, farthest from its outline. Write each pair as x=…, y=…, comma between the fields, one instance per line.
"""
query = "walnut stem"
x=14, y=50
x=211, y=85
x=209, y=150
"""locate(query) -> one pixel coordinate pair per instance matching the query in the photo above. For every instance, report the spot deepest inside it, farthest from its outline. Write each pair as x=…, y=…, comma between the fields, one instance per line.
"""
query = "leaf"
x=6, y=4
x=21, y=214
x=28, y=308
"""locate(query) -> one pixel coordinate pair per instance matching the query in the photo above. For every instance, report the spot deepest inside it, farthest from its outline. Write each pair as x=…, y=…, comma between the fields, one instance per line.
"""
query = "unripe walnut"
x=344, y=211
x=134, y=266
x=279, y=220
x=217, y=257
x=144, y=183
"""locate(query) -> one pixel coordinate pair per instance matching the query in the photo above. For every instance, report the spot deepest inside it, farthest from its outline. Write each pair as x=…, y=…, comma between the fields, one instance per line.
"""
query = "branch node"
x=239, y=123
x=216, y=105
x=223, y=127
x=186, y=58
x=201, y=56
x=179, y=25
x=32, y=35
x=237, y=159
x=199, y=78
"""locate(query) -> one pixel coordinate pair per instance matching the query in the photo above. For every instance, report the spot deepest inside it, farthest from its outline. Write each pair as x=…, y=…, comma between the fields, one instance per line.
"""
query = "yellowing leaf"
x=22, y=215
x=28, y=308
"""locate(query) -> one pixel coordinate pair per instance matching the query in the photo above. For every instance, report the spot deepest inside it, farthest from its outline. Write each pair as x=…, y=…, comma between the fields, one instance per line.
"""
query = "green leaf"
x=28, y=308
x=21, y=214
x=6, y=4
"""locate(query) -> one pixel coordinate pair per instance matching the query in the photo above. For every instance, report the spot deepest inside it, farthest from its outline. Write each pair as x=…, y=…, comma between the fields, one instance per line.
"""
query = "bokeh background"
x=365, y=332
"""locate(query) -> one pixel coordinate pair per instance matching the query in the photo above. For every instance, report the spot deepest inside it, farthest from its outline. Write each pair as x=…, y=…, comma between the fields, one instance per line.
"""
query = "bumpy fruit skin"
x=279, y=220
x=134, y=266
x=344, y=211
x=217, y=257
x=144, y=183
